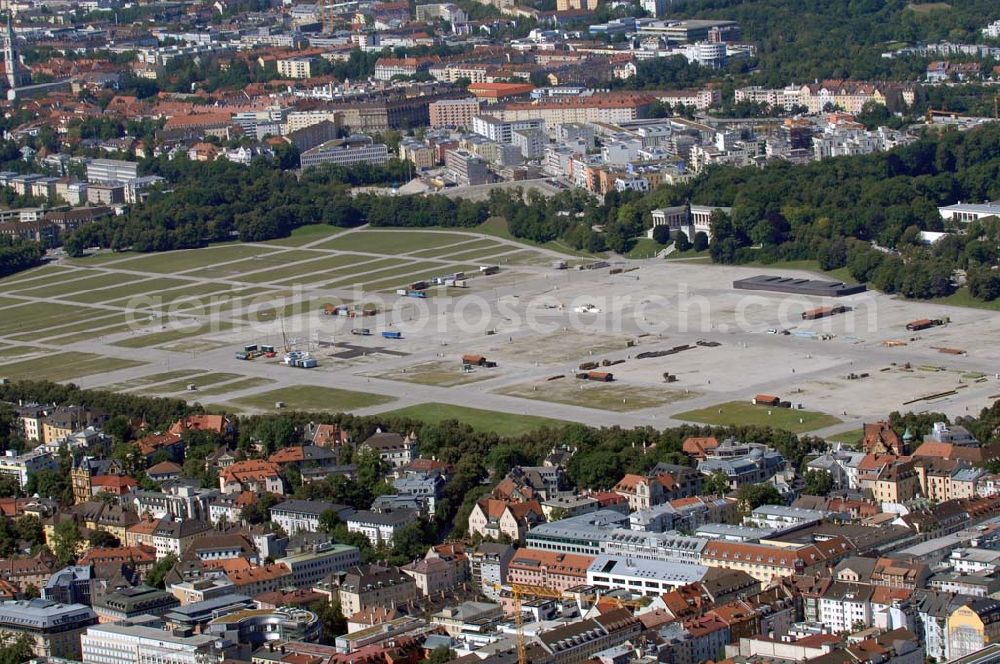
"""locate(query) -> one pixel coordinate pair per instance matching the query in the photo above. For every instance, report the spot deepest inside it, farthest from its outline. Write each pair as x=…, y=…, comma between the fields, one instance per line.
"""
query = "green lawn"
x=497, y=227
x=185, y=297
x=469, y=243
x=483, y=254
x=602, y=396
x=645, y=248
x=441, y=374
x=10, y=301
x=165, y=336
x=312, y=398
x=200, y=380
x=102, y=258
x=305, y=273
x=17, y=351
x=42, y=315
x=73, y=285
x=962, y=298
x=739, y=413
x=63, y=366
x=92, y=324
x=191, y=259
x=354, y=266
x=39, y=273
x=850, y=437
x=129, y=287
x=402, y=272
x=306, y=234
x=235, y=386
x=391, y=242
x=153, y=378
x=502, y=424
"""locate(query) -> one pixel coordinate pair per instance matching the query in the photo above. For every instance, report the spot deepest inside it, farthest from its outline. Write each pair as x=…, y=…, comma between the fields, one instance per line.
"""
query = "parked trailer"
x=362, y=331
x=392, y=335
x=923, y=324
x=489, y=269
x=823, y=312
x=416, y=293
x=598, y=376
x=460, y=283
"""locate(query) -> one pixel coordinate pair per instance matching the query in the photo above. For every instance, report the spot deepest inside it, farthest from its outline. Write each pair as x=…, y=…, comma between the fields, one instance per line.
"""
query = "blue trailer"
x=392, y=335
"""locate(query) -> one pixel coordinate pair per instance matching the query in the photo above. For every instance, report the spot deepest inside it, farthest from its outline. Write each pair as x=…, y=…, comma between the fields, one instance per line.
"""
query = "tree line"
x=221, y=201
x=17, y=254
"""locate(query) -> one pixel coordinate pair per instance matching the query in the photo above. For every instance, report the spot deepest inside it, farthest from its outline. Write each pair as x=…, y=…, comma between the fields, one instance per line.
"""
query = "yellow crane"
x=519, y=625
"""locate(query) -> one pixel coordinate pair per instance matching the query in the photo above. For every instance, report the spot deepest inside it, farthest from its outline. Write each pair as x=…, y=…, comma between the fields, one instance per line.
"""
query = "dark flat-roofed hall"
x=794, y=286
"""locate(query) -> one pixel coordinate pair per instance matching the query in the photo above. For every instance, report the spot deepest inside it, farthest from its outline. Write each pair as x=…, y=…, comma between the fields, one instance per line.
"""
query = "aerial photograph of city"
x=500, y=331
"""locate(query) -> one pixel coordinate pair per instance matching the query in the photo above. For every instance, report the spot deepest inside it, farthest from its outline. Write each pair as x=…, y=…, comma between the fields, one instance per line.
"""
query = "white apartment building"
x=311, y=566
x=20, y=466
x=295, y=68
x=784, y=98
x=970, y=211
x=642, y=576
x=134, y=644
x=501, y=131
x=970, y=560
x=297, y=120
x=845, y=605
x=303, y=515
x=111, y=170
x=380, y=528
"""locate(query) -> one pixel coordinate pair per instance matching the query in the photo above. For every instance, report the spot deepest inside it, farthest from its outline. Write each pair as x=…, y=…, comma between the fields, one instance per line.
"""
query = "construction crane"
x=284, y=337
x=932, y=112
x=519, y=626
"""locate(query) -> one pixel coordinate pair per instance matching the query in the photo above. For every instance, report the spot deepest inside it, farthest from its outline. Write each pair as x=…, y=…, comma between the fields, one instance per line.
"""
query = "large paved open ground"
x=170, y=324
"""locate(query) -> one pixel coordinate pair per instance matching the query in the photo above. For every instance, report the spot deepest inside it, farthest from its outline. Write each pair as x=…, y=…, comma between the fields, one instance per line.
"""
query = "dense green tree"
x=66, y=539
x=818, y=482
x=101, y=538
x=661, y=234
x=717, y=484
x=752, y=496
x=158, y=572
x=331, y=618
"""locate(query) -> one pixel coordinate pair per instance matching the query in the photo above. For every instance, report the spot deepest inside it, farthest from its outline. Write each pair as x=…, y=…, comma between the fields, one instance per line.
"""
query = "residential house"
x=973, y=626
x=255, y=581
x=441, y=569
x=367, y=586
x=393, y=448
x=304, y=515
x=172, y=536
x=380, y=528
x=496, y=519
x=547, y=569
x=253, y=475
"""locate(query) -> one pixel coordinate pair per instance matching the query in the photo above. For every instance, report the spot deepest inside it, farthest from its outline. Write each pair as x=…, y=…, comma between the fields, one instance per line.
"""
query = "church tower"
x=11, y=63
x=80, y=477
